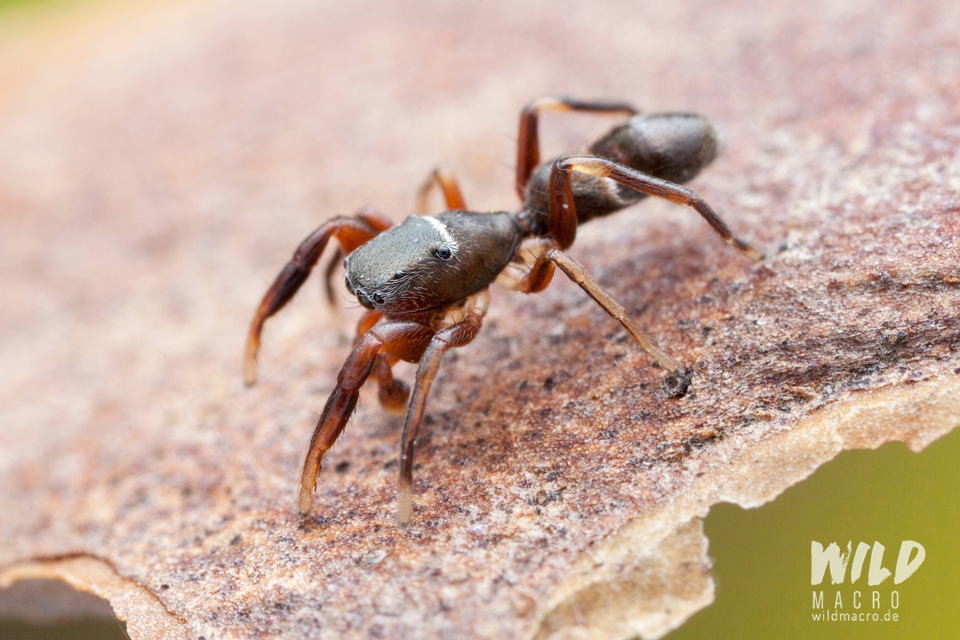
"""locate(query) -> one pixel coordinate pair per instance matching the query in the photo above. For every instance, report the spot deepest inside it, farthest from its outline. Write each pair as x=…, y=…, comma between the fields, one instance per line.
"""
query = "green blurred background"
x=762, y=556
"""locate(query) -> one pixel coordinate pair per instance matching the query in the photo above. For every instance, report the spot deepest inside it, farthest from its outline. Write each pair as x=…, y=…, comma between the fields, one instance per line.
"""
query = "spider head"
x=432, y=261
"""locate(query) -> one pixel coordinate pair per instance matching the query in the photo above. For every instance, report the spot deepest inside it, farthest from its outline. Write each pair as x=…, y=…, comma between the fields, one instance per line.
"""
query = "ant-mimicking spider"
x=424, y=282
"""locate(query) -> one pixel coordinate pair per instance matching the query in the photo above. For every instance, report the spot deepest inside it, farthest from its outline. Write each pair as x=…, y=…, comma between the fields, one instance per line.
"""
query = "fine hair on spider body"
x=424, y=282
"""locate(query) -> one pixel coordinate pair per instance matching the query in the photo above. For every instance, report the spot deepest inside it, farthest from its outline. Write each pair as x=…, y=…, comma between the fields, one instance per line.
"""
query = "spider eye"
x=377, y=298
x=398, y=275
x=443, y=252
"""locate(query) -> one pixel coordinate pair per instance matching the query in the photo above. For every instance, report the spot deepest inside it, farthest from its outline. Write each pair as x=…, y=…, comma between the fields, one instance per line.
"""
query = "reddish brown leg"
x=370, y=318
x=528, y=145
x=445, y=339
x=328, y=274
x=563, y=210
x=538, y=272
x=392, y=393
x=452, y=196
x=539, y=276
x=350, y=232
x=575, y=271
x=406, y=340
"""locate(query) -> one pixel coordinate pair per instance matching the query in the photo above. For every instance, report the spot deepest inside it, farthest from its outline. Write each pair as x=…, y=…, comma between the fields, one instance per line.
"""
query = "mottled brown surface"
x=157, y=167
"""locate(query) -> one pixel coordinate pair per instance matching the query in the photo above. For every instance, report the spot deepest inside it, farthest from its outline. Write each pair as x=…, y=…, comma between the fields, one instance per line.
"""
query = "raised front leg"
x=404, y=340
x=350, y=233
x=452, y=196
x=528, y=143
x=563, y=209
x=445, y=339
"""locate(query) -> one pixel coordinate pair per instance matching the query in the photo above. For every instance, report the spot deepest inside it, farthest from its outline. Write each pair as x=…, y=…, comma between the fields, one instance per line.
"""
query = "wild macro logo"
x=858, y=603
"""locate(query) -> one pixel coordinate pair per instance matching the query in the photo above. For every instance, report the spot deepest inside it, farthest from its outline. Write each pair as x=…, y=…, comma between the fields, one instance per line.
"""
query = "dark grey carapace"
x=430, y=262
x=424, y=282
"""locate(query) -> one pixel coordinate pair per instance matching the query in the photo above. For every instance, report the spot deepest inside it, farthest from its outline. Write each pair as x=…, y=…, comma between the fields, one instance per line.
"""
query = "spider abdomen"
x=669, y=146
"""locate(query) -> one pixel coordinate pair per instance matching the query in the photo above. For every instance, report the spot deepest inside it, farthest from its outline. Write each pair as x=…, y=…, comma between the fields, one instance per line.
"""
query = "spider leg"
x=405, y=340
x=541, y=271
x=451, y=337
x=575, y=271
x=350, y=232
x=528, y=144
x=391, y=393
x=328, y=274
x=563, y=210
x=452, y=196
x=367, y=321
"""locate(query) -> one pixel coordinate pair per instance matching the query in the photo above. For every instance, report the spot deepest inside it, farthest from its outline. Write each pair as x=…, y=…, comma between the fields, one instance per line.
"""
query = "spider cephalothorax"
x=445, y=258
x=424, y=281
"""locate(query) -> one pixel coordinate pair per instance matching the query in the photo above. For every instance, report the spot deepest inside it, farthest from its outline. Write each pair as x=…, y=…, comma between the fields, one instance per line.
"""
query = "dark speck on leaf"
x=677, y=386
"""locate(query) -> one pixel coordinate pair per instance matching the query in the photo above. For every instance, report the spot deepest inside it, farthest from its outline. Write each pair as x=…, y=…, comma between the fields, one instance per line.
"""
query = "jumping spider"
x=425, y=281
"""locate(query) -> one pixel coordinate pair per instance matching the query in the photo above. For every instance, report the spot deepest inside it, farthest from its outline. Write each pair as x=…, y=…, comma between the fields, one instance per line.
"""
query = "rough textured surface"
x=157, y=167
